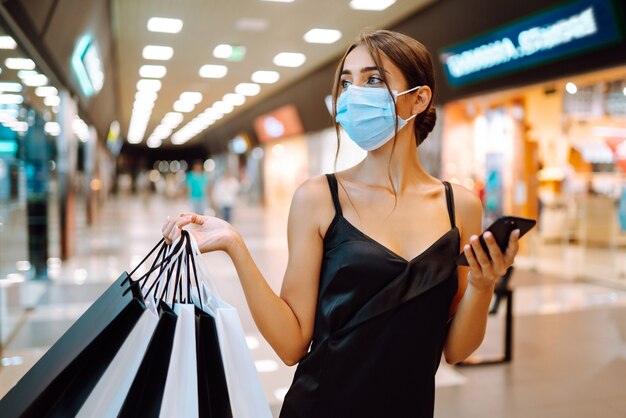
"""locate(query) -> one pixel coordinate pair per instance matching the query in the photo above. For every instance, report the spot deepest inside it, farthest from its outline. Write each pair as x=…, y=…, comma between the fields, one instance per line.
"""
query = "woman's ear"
x=422, y=100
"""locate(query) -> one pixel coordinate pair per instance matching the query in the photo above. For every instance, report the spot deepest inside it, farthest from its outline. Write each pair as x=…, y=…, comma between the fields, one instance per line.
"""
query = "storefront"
x=552, y=150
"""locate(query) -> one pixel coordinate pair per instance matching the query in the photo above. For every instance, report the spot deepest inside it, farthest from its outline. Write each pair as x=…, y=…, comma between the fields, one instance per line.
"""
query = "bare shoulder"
x=468, y=206
x=312, y=203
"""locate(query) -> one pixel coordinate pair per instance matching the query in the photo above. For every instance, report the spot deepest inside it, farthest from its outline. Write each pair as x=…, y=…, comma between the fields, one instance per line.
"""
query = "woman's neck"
x=405, y=168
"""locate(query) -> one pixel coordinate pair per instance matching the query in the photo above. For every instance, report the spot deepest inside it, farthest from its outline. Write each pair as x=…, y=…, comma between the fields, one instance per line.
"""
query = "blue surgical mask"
x=367, y=114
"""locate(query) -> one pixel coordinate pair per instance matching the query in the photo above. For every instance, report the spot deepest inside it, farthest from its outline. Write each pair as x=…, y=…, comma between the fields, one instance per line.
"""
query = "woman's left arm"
x=476, y=282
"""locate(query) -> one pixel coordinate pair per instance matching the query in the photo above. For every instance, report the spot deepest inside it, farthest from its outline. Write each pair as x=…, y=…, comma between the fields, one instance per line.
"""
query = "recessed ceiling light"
x=164, y=25
x=229, y=52
x=248, y=89
x=22, y=74
x=45, y=91
x=265, y=77
x=172, y=118
x=322, y=36
x=251, y=24
x=146, y=96
x=571, y=88
x=222, y=107
x=193, y=97
x=19, y=63
x=153, y=142
x=35, y=80
x=289, y=59
x=11, y=99
x=149, y=85
x=6, y=42
x=10, y=87
x=371, y=4
x=157, y=52
x=213, y=71
x=52, y=101
x=152, y=71
x=234, y=99
x=181, y=106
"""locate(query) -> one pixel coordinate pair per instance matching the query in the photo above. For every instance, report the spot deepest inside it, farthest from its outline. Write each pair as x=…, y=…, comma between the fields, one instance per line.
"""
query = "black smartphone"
x=501, y=229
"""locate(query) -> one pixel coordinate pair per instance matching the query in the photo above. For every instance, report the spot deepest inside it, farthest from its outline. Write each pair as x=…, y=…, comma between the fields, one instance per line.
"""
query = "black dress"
x=380, y=326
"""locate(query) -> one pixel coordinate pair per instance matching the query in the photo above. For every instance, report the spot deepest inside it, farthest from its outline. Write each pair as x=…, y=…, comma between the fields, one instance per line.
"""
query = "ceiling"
x=207, y=24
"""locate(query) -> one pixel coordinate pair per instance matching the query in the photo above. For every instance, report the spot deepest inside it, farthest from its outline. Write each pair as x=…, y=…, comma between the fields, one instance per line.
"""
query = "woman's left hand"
x=485, y=271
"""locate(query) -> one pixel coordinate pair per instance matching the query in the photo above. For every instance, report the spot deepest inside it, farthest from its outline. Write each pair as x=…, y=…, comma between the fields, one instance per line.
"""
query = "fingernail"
x=488, y=234
x=467, y=247
x=517, y=232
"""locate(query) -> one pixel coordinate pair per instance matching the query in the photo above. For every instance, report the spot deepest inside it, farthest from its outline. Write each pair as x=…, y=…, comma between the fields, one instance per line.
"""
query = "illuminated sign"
x=280, y=123
x=563, y=31
x=87, y=65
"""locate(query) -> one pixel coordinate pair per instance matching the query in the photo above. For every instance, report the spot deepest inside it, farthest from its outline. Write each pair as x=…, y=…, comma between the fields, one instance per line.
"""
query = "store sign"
x=280, y=123
x=87, y=66
x=563, y=31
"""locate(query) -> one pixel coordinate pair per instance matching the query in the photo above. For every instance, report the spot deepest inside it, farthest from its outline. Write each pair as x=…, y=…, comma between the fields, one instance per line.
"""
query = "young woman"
x=372, y=296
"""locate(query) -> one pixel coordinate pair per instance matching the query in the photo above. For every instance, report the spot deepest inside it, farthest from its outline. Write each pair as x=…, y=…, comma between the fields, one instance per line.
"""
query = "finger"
x=193, y=218
x=497, y=259
x=513, y=246
x=482, y=257
x=166, y=230
x=474, y=266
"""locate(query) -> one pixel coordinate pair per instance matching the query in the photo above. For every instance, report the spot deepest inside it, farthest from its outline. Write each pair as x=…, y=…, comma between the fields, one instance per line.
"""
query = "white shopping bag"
x=180, y=397
x=247, y=398
x=108, y=395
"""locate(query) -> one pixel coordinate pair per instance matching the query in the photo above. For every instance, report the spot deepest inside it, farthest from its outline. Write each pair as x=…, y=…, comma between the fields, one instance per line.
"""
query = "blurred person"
x=225, y=195
x=197, y=184
x=372, y=297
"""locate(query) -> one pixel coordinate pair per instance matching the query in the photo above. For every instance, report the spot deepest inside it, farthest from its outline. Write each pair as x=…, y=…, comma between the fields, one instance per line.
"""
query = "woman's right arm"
x=285, y=321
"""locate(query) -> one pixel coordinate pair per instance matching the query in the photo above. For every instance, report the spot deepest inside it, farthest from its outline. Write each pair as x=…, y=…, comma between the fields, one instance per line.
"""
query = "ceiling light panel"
x=248, y=89
x=213, y=71
x=229, y=52
x=46, y=91
x=165, y=25
x=6, y=42
x=234, y=99
x=180, y=106
x=157, y=52
x=152, y=71
x=322, y=36
x=19, y=63
x=374, y=5
x=265, y=77
x=289, y=59
x=10, y=87
x=149, y=85
x=192, y=97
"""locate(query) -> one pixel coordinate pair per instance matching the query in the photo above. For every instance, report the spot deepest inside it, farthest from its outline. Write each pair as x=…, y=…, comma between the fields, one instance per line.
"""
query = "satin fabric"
x=380, y=326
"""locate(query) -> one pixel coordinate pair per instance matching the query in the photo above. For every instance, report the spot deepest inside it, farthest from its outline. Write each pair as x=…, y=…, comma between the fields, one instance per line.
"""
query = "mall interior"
x=106, y=106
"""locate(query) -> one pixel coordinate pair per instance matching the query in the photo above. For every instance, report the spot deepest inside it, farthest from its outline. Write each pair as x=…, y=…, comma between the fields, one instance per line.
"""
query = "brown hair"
x=415, y=64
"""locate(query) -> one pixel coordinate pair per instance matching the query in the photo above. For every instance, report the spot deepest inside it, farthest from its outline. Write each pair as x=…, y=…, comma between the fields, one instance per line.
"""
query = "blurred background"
x=115, y=114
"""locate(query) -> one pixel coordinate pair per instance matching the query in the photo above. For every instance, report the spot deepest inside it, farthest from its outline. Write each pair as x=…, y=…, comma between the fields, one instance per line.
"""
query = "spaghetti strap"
x=450, y=202
x=334, y=192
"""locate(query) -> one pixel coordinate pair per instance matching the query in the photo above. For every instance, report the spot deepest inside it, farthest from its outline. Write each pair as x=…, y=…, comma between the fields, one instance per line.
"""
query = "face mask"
x=367, y=115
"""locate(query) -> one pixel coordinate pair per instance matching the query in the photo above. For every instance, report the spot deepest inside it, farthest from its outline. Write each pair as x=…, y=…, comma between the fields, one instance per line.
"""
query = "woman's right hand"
x=210, y=233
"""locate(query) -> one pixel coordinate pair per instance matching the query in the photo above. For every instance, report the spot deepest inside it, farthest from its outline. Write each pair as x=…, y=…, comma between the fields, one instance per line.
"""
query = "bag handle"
x=210, y=284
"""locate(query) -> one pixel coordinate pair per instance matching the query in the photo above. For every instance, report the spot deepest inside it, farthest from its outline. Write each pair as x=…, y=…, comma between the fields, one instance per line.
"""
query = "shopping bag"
x=145, y=395
x=146, y=392
x=59, y=383
x=213, y=399
x=247, y=399
x=108, y=396
x=180, y=397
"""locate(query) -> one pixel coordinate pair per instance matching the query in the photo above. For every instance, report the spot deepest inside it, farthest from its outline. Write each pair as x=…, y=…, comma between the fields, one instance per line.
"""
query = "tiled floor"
x=569, y=357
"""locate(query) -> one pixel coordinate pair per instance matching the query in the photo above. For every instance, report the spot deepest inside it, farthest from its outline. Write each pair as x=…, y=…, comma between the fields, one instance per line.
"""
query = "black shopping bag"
x=145, y=394
x=60, y=382
x=213, y=400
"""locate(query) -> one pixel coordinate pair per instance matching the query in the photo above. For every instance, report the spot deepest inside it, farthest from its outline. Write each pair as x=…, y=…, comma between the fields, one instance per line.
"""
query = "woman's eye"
x=345, y=84
x=375, y=81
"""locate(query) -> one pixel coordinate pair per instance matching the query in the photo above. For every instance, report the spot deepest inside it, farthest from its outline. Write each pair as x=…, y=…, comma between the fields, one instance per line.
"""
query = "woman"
x=371, y=296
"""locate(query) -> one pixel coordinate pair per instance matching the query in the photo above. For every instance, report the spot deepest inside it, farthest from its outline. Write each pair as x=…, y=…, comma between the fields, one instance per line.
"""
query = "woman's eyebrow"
x=363, y=70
